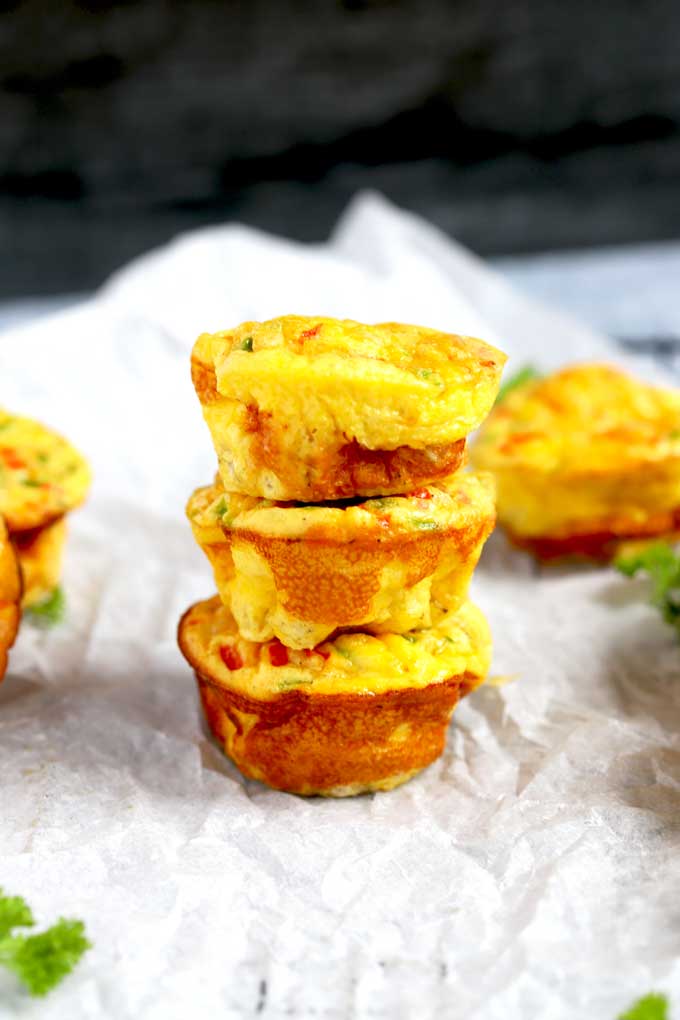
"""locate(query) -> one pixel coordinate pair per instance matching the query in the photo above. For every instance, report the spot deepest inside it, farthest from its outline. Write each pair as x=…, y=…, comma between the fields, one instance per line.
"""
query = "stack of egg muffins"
x=343, y=535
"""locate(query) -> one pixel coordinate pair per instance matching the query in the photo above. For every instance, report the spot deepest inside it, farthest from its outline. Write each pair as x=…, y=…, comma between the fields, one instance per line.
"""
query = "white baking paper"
x=533, y=873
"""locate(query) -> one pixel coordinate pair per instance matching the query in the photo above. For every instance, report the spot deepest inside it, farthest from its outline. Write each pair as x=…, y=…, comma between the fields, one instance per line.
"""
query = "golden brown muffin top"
x=41, y=475
x=587, y=419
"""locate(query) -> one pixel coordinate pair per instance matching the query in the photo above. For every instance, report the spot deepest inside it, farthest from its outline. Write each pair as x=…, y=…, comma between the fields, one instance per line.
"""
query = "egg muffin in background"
x=360, y=712
x=298, y=572
x=42, y=478
x=315, y=409
x=10, y=596
x=584, y=460
x=41, y=555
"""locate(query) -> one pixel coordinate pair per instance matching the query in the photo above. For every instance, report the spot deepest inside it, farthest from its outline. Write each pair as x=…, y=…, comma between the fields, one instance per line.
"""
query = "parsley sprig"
x=523, y=375
x=661, y=563
x=39, y=961
x=651, y=1007
x=51, y=610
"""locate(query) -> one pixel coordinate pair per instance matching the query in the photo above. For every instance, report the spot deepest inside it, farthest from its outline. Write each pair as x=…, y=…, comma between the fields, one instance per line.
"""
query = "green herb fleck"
x=39, y=961
x=410, y=638
x=524, y=375
x=247, y=344
x=42, y=458
x=341, y=651
x=675, y=434
x=32, y=483
x=423, y=523
x=651, y=1007
x=51, y=610
x=429, y=375
x=295, y=681
x=662, y=564
x=221, y=507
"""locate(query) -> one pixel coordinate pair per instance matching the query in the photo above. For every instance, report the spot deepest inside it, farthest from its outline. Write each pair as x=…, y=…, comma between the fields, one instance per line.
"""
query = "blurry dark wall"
x=515, y=125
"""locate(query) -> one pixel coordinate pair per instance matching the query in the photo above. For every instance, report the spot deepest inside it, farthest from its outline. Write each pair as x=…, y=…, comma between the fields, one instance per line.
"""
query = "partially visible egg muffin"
x=298, y=572
x=361, y=712
x=314, y=409
x=42, y=478
x=40, y=553
x=10, y=596
x=584, y=459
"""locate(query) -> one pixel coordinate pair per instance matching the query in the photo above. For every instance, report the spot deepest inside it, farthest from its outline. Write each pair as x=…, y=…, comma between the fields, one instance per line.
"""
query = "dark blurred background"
x=516, y=126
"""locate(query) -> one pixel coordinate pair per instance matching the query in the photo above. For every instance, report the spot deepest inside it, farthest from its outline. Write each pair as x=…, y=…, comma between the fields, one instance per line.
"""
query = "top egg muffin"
x=42, y=476
x=584, y=459
x=319, y=409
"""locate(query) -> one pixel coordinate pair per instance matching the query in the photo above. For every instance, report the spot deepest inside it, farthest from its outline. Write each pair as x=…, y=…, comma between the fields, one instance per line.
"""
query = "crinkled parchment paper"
x=532, y=872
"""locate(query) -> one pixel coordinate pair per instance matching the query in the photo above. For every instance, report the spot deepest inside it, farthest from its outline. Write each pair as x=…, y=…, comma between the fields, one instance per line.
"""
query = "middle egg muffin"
x=299, y=572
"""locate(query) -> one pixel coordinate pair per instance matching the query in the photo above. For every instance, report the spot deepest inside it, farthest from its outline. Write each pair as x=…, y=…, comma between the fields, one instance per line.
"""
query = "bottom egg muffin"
x=358, y=713
x=40, y=552
x=10, y=596
x=298, y=572
x=584, y=459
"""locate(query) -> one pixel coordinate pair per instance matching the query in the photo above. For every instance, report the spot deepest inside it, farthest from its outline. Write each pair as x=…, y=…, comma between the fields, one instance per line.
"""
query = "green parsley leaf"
x=524, y=375
x=662, y=565
x=651, y=1007
x=51, y=610
x=14, y=913
x=429, y=376
x=294, y=681
x=247, y=344
x=342, y=651
x=422, y=523
x=39, y=961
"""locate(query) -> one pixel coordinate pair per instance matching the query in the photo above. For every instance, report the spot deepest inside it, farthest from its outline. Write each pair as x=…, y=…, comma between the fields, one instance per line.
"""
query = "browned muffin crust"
x=601, y=541
x=10, y=596
x=333, y=745
x=40, y=552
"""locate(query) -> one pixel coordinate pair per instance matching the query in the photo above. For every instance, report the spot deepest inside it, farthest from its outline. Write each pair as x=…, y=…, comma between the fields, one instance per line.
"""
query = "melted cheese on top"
x=584, y=420
x=581, y=448
x=354, y=663
x=385, y=386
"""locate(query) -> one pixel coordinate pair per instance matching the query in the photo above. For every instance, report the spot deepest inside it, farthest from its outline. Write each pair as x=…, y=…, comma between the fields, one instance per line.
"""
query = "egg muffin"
x=316, y=409
x=584, y=459
x=10, y=596
x=40, y=552
x=42, y=478
x=298, y=572
x=358, y=713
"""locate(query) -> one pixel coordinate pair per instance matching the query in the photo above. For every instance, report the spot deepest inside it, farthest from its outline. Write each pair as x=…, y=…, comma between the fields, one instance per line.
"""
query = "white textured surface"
x=531, y=872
